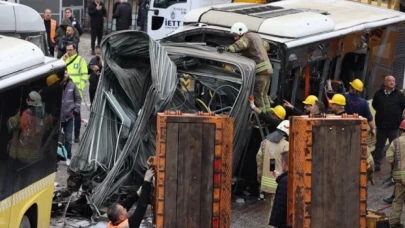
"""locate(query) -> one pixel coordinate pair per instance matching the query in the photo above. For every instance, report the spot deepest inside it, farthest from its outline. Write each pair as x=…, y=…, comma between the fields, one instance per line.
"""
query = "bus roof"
x=17, y=55
x=19, y=18
x=296, y=22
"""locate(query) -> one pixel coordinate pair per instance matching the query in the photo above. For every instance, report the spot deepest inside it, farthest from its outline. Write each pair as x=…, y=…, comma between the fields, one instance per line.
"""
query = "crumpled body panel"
x=141, y=78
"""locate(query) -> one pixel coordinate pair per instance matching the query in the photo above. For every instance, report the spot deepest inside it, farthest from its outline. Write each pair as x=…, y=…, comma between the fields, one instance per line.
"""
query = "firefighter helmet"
x=279, y=111
x=284, y=126
x=34, y=99
x=402, y=126
x=239, y=28
x=338, y=99
x=357, y=84
x=310, y=100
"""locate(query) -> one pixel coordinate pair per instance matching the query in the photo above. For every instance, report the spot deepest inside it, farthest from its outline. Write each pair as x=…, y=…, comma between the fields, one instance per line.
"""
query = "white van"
x=165, y=16
x=23, y=22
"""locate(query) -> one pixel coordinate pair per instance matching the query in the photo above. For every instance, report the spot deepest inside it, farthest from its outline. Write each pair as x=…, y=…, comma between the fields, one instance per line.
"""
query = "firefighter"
x=396, y=156
x=271, y=148
x=252, y=46
x=308, y=102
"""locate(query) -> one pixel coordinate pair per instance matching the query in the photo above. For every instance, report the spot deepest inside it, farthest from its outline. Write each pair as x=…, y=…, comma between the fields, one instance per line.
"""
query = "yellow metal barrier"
x=389, y=4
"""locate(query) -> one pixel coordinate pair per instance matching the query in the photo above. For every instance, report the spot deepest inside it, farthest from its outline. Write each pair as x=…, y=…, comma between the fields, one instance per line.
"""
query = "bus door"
x=165, y=16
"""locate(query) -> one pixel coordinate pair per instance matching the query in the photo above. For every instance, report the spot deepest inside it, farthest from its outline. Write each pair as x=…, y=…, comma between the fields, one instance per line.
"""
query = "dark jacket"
x=294, y=112
x=94, y=77
x=388, y=108
x=123, y=14
x=115, y=7
x=71, y=101
x=96, y=16
x=136, y=218
x=355, y=104
x=278, y=217
x=269, y=120
x=61, y=31
x=77, y=25
x=142, y=14
x=64, y=41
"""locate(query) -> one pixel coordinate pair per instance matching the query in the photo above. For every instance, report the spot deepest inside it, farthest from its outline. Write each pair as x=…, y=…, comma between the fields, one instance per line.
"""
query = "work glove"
x=221, y=49
x=149, y=175
x=252, y=102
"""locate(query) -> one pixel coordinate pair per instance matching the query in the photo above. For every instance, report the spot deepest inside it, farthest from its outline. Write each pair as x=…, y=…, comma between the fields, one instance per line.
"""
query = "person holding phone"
x=268, y=158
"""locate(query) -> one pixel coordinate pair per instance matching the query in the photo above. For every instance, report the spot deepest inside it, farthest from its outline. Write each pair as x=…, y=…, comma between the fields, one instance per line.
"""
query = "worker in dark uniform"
x=273, y=118
x=356, y=104
x=252, y=46
x=308, y=102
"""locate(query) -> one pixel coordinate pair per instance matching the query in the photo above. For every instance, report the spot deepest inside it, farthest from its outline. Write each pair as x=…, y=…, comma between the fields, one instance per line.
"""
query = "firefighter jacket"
x=77, y=70
x=270, y=150
x=28, y=131
x=124, y=224
x=252, y=46
x=396, y=156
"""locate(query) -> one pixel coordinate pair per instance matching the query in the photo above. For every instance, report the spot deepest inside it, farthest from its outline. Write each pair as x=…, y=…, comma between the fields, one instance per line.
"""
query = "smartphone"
x=272, y=165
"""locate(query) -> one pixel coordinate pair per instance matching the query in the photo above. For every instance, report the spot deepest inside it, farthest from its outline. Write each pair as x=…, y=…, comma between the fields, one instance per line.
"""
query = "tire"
x=25, y=222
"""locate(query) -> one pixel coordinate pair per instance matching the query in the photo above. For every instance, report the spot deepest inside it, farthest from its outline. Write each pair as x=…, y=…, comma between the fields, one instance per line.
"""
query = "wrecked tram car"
x=140, y=79
x=311, y=41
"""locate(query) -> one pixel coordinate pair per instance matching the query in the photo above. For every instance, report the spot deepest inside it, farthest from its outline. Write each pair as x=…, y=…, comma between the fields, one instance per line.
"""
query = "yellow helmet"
x=51, y=79
x=279, y=111
x=338, y=99
x=357, y=84
x=310, y=100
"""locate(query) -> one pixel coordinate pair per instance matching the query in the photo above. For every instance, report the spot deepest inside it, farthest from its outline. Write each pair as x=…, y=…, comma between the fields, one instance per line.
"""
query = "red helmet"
x=402, y=126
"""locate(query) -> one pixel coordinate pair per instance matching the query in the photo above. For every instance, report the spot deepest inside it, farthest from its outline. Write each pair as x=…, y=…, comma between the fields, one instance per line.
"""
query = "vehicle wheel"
x=25, y=222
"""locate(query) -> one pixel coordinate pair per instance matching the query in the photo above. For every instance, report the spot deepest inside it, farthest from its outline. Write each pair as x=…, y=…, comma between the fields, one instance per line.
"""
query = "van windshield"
x=166, y=3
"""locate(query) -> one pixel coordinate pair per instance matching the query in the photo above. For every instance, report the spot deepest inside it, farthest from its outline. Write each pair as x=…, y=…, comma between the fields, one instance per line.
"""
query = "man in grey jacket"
x=71, y=102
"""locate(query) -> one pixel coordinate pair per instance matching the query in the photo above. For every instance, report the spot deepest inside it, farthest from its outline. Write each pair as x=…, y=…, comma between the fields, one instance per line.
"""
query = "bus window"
x=29, y=128
x=166, y=3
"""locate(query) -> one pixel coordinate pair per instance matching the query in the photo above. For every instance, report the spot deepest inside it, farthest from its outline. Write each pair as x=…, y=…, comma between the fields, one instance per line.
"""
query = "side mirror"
x=156, y=11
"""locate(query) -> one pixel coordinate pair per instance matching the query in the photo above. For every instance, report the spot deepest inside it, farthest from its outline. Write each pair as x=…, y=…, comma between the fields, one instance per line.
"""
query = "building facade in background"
x=79, y=8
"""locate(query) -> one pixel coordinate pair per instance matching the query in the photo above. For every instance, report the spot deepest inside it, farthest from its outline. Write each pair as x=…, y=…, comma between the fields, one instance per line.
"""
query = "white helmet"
x=34, y=99
x=284, y=126
x=239, y=28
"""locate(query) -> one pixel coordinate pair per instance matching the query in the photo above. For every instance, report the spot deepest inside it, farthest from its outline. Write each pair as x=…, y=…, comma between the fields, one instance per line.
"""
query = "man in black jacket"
x=75, y=23
x=123, y=14
x=389, y=104
x=142, y=14
x=98, y=14
x=278, y=217
x=118, y=213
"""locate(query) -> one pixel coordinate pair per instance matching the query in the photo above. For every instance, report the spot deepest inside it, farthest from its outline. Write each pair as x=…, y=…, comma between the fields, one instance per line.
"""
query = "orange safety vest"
x=123, y=224
x=52, y=29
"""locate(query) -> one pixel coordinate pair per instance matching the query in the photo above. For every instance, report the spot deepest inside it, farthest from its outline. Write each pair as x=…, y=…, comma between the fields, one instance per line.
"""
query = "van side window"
x=166, y=3
x=29, y=128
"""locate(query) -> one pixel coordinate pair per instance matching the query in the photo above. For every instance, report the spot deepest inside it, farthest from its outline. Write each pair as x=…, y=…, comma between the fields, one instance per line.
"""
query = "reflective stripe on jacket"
x=78, y=72
x=123, y=224
x=252, y=46
x=52, y=30
x=269, y=150
x=396, y=156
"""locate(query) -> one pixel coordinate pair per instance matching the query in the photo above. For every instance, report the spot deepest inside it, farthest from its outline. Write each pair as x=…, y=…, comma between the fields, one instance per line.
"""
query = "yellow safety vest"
x=78, y=72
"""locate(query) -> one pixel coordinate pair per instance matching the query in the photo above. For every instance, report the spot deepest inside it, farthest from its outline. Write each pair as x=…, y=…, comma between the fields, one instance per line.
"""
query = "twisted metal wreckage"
x=141, y=78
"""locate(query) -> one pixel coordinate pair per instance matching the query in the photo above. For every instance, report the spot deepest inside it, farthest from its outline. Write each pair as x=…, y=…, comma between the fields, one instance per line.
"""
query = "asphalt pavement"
x=249, y=213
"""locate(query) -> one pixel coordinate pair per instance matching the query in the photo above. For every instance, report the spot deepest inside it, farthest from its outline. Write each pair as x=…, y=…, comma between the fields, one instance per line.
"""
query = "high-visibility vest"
x=123, y=224
x=77, y=71
x=52, y=30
